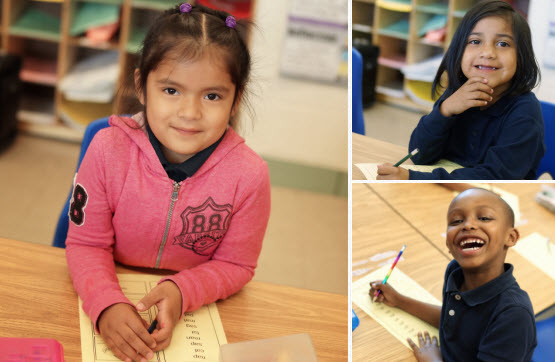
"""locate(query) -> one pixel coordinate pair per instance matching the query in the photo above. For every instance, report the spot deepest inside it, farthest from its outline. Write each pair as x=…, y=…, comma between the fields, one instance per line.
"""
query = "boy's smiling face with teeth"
x=479, y=230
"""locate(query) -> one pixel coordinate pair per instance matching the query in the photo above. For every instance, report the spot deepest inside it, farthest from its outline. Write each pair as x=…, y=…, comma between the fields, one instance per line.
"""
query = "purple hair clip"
x=230, y=22
x=185, y=8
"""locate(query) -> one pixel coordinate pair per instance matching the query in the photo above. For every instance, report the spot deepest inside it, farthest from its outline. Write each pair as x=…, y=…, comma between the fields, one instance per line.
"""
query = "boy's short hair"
x=507, y=209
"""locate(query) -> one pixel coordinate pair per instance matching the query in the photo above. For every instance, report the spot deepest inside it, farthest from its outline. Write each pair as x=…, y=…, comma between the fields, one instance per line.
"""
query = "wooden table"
x=370, y=150
x=377, y=228
x=39, y=301
x=425, y=207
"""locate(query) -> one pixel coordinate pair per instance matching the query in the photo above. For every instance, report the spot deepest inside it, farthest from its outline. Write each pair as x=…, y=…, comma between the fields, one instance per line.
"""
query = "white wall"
x=297, y=121
x=539, y=14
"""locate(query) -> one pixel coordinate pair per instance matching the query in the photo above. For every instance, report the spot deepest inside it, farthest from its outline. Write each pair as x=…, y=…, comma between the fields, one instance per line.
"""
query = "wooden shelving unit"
x=397, y=28
x=43, y=33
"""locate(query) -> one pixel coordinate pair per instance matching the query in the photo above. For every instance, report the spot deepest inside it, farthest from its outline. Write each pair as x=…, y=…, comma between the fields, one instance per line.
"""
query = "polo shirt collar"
x=181, y=171
x=483, y=293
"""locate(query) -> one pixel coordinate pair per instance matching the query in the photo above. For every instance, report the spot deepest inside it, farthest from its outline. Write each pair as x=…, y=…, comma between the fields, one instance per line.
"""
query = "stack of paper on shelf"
x=39, y=70
x=424, y=71
x=88, y=89
x=93, y=79
x=99, y=21
x=36, y=110
x=395, y=5
x=37, y=23
x=434, y=23
x=420, y=92
x=420, y=77
x=399, y=29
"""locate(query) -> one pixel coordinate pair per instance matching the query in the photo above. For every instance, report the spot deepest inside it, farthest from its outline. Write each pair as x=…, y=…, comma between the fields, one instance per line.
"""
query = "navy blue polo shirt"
x=502, y=142
x=180, y=171
x=494, y=322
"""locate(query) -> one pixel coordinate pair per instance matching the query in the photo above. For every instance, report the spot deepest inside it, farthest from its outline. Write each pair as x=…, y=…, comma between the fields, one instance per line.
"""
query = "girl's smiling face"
x=479, y=230
x=189, y=104
x=490, y=53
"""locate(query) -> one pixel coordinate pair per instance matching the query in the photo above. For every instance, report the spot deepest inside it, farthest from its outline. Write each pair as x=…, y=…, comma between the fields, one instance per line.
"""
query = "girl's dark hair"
x=527, y=74
x=187, y=36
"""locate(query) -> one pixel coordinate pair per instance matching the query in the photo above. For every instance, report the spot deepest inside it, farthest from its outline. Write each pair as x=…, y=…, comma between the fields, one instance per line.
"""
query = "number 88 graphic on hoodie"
x=204, y=226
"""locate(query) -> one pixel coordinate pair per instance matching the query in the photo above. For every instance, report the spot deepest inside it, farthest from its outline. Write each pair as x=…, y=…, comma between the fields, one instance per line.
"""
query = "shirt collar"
x=483, y=293
x=180, y=171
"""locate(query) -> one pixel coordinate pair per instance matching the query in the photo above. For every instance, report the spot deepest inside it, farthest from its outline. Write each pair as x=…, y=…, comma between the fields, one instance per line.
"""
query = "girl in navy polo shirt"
x=487, y=119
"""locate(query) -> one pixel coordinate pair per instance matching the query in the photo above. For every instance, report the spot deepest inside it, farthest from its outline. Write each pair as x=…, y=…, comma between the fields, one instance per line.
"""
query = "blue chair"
x=63, y=221
x=545, y=333
x=547, y=163
x=358, y=117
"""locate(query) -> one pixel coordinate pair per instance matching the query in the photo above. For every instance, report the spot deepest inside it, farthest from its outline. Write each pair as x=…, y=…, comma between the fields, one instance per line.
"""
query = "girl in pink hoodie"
x=173, y=187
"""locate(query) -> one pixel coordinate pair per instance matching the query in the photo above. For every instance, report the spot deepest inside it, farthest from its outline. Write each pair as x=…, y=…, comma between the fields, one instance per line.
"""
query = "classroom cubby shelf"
x=44, y=33
x=396, y=27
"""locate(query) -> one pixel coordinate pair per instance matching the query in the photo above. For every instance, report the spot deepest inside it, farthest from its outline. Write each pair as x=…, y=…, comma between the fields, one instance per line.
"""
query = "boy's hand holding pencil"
x=387, y=295
x=393, y=295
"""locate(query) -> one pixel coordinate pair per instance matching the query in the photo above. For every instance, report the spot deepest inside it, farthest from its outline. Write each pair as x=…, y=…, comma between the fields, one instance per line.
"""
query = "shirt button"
x=471, y=146
x=457, y=297
x=451, y=312
x=474, y=133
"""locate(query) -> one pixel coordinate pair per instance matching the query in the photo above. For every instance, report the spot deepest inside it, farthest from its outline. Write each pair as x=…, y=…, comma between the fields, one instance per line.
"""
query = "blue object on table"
x=547, y=163
x=355, y=320
x=545, y=333
x=63, y=222
x=358, y=117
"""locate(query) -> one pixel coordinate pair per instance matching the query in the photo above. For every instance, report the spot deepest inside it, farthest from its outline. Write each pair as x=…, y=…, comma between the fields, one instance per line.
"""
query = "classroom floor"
x=390, y=123
x=305, y=244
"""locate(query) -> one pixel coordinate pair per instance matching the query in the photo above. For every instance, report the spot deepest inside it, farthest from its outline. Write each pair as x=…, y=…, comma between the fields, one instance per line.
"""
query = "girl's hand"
x=388, y=172
x=474, y=93
x=167, y=298
x=388, y=295
x=125, y=333
x=428, y=350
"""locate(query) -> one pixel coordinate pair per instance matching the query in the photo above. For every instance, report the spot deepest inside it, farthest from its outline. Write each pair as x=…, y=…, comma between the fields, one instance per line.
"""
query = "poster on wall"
x=316, y=41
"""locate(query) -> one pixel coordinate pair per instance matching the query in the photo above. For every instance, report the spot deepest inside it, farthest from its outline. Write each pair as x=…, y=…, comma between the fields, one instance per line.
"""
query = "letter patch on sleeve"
x=204, y=227
x=77, y=205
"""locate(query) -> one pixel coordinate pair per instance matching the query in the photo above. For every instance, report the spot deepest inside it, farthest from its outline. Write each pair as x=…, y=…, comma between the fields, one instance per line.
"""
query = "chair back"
x=63, y=221
x=358, y=116
x=545, y=334
x=547, y=163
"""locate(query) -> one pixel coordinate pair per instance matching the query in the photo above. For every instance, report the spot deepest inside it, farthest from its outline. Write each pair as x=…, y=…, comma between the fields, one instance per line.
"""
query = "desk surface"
x=39, y=302
x=370, y=150
x=378, y=229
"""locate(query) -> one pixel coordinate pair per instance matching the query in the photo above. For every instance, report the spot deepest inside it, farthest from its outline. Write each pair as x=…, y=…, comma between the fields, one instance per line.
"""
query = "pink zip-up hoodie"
x=208, y=228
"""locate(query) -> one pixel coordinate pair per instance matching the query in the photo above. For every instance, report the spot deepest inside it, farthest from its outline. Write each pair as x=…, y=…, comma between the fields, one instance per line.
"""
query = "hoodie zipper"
x=175, y=192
